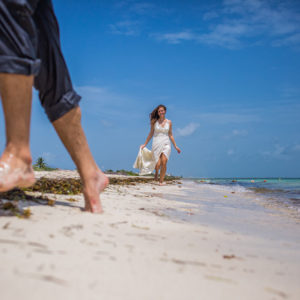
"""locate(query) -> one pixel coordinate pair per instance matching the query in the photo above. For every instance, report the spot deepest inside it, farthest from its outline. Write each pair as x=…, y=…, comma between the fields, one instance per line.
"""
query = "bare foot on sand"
x=15, y=172
x=162, y=183
x=92, y=188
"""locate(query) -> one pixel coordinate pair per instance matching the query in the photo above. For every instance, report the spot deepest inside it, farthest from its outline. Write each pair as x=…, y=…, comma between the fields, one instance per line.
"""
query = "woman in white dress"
x=161, y=131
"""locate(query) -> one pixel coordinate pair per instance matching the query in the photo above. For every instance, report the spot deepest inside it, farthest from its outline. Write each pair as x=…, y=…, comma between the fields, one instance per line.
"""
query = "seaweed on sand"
x=12, y=209
x=9, y=202
x=135, y=180
x=66, y=186
x=73, y=186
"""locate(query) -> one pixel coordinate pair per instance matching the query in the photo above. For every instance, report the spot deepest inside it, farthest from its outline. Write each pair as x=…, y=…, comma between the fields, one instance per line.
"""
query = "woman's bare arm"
x=172, y=138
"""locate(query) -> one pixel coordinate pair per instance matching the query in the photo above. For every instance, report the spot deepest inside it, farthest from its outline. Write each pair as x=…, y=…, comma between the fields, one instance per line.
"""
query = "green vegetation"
x=121, y=172
x=41, y=165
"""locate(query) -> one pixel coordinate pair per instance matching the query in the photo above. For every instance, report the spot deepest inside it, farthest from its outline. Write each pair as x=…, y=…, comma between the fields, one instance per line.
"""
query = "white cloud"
x=142, y=8
x=279, y=151
x=292, y=40
x=134, y=14
x=127, y=27
x=226, y=35
x=175, y=38
x=99, y=94
x=104, y=102
x=226, y=118
x=187, y=130
x=137, y=7
x=240, y=22
x=238, y=132
x=123, y=4
x=282, y=151
x=210, y=15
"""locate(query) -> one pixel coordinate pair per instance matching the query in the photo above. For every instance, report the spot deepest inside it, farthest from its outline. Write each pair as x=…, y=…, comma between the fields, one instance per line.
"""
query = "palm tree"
x=40, y=163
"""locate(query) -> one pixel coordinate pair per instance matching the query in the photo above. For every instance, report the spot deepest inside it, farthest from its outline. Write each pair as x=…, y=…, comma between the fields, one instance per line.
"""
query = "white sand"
x=135, y=251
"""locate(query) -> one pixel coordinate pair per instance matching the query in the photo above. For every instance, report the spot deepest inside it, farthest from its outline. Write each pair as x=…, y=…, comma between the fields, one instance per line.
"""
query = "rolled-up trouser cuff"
x=67, y=102
x=17, y=65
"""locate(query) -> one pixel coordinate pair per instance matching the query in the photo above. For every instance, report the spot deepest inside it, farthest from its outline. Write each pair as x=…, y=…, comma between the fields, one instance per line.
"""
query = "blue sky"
x=228, y=72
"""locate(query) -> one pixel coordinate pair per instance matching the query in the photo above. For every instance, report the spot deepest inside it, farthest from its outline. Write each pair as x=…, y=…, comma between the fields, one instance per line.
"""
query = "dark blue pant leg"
x=53, y=81
x=18, y=38
x=30, y=45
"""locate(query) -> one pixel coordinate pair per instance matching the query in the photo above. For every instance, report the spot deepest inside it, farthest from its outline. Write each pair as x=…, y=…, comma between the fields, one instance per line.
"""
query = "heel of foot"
x=26, y=181
x=26, y=184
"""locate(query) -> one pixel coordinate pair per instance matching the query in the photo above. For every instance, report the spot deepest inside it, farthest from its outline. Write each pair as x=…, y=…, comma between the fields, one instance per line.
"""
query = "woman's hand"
x=178, y=150
x=143, y=146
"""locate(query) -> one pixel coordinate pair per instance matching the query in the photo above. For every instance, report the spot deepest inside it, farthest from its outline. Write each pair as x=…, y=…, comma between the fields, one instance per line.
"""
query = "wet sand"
x=140, y=249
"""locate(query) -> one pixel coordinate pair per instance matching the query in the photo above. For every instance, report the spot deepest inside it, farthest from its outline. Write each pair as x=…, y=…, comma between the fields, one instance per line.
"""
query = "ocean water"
x=282, y=191
x=264, y=207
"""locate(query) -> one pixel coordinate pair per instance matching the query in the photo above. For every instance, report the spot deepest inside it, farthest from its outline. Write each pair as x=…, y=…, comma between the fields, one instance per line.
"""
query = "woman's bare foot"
x=162, y=183
x=15, y=172
x=92, y=187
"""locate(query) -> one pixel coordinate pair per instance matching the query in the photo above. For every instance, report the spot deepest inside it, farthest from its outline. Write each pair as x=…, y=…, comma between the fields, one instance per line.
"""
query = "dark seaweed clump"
x=135, y=180
x=66, y=186
x=11, y=208
x=73, y=186
x=19, y=194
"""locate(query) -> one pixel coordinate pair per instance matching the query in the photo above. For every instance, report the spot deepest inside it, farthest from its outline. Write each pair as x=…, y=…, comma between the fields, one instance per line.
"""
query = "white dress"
x=146, y=159
x=161, y=142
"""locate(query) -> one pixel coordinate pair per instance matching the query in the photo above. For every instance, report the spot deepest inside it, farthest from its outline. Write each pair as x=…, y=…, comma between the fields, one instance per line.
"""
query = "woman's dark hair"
x=154, y=115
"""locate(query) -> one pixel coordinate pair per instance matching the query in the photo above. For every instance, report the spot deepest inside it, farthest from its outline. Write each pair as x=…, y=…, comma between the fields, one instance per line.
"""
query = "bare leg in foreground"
x=16, y=162
x=69, y=129
x=163, y=168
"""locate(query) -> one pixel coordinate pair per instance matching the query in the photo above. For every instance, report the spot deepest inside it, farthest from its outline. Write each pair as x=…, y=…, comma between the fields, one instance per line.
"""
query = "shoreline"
x=245, y=212
x=283, y=193
x=138, y=250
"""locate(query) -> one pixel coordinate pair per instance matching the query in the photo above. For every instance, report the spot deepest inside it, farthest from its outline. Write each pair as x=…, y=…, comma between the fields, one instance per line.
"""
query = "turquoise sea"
x=285, y=191
x=265, y=207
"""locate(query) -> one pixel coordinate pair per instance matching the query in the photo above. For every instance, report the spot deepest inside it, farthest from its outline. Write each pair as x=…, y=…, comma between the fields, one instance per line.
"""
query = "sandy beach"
x=152, y=242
